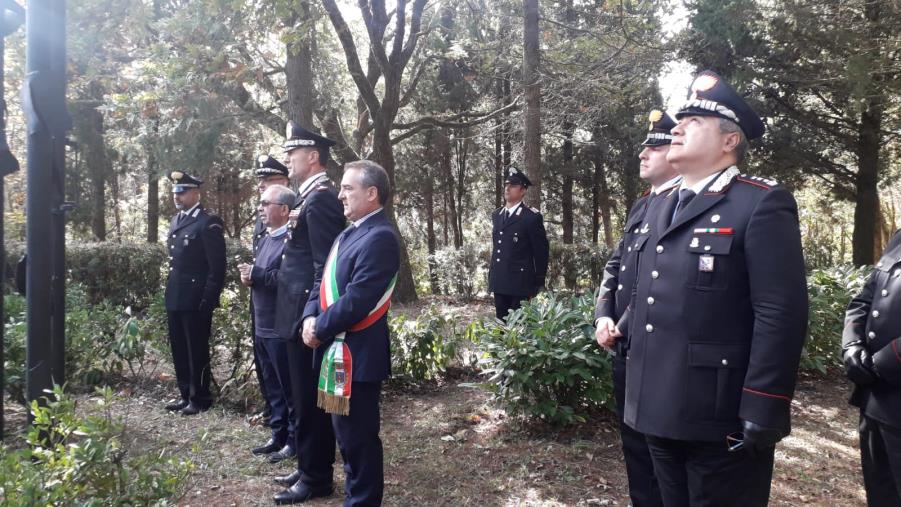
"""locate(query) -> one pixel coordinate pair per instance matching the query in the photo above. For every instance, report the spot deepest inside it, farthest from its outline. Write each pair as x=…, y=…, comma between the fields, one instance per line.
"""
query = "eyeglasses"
x=267, y=203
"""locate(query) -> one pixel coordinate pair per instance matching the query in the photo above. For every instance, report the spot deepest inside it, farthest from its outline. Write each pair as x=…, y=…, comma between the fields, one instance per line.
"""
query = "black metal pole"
x=45, y=110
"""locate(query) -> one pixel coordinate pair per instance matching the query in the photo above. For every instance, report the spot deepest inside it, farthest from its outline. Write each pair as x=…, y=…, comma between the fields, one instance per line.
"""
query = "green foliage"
x=101, y=340
x=127, y=274
x=80, y=460
x=424, y=347
x=544, y=362
x=577, y=265
x=830, y=290
x=461, y=271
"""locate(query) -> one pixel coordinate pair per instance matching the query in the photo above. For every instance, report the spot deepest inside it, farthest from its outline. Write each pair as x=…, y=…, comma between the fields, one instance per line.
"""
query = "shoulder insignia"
x=723, y=180
x=213, y=225
x=534, y=210
x=321, y=187
x=758, y=181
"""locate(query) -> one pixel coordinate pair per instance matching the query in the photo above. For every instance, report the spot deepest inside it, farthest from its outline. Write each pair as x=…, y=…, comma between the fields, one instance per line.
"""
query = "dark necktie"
x=181, y=216
x=685, y=196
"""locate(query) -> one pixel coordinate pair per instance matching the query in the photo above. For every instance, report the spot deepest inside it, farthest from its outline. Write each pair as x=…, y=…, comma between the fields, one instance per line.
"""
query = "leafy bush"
x=461, y=271
x=544, y=362
x=101, y=340
x=422, y=348
x=830, y=290
x=73, y=460
x=576, y=266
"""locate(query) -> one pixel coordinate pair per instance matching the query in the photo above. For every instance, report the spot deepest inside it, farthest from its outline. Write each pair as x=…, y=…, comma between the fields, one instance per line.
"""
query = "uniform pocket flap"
x=718, y=355
x=710, y=244
x=639, y=242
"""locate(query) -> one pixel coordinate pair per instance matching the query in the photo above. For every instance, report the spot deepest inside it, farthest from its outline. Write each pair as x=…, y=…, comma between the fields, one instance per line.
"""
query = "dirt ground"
x=446, y=444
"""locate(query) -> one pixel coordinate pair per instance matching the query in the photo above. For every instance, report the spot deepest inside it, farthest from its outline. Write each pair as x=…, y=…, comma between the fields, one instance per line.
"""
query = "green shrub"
x=544, y=362
x=461, y=272
x=576, y=266
x=80, y=460
x=830, y=290
x=422, y=348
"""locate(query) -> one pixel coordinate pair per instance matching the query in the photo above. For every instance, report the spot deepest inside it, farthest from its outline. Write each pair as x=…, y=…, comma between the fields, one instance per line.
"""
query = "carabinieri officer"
x=616, y=293
x=196, y=276
x=719, y=314
x=519, y=248
x=871, y=349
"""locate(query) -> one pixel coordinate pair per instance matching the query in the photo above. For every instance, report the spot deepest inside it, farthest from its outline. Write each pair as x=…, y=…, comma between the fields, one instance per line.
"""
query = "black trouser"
x=361, y=447
x=643, y=488
x=189, y=339
x=276, y=385
x=313, y=434
x=694, y=473
x=258, y=368
x=505, y=303
x=880, y=453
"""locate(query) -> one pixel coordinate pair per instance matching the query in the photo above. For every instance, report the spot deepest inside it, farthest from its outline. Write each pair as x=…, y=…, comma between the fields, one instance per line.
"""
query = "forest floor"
x=447, y=444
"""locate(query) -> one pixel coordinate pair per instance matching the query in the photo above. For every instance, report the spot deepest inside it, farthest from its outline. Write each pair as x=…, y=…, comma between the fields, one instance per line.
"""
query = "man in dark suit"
x=616, y=292
x=196, y=276
x=268, y=172
x=272, y=350
x=871, y=350
x=315, y=220
x=719, y=313
x=520, y=250
x=346, y=318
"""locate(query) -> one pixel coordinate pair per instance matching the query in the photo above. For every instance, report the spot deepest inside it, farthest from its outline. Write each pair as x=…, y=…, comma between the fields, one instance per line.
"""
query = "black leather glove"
x=859, y=364
x=759, y=438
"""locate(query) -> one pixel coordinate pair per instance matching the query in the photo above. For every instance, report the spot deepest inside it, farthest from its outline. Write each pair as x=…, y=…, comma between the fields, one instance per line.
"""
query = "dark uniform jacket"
x=264, y=276
x=368, y=258
x=874, y=319
x=519, y=253
x=196, y=262
x=307, y=245
x=619, y=273
x=719, y=314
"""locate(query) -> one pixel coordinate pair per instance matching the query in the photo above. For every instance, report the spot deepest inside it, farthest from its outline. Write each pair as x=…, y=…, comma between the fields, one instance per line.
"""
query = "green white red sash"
x=336, y=375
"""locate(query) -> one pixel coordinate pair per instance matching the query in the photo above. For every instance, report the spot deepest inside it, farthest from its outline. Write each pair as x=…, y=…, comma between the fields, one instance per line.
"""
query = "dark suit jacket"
x=196, y=262
x=368, y=258
x=519, y=253
x=307, y=245
x=719, y=316
x=874, y=320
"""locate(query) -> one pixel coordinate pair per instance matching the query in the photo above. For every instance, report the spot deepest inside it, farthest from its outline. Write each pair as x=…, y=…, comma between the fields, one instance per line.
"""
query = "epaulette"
x=214, y=224
x=723, y=180
x=322, y=187
x=758, y=181
x=534, y=210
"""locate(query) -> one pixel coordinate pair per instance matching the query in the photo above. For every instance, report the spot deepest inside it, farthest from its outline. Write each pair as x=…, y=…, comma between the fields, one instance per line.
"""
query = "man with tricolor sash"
x=346, y=321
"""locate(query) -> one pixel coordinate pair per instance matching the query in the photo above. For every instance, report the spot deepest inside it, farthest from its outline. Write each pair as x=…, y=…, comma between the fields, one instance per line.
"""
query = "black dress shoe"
x=300, y=492
x=287, y=480
x=270, y=446
x=178, y=405
x=193, y=409
x=284, y=453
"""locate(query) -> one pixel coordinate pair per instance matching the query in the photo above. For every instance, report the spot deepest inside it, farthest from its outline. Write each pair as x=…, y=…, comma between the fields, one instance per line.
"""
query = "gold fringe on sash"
x=333, y=404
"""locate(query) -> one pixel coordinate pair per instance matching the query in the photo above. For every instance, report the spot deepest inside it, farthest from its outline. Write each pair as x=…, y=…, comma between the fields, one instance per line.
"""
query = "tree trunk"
x=153, y=193
x=865, y=241
x=431, y=240
x=532, y=92
x=866, y=209
x=88, y=126
x=606, y=208
x=442, y=146
x=299, y=73
x=568, y=179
